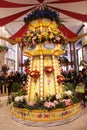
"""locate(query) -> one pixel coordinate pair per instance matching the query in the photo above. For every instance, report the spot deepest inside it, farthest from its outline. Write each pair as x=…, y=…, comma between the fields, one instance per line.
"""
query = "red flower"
x=60, y=79
x=35, y=74
x=27, y=70
x=48, y=69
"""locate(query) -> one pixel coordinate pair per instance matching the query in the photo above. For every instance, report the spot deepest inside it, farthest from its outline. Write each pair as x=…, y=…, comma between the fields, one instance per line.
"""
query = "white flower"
x=21, y=98
x=58, y=96
x=17, y=99
x=26, y=97
x=69, y=92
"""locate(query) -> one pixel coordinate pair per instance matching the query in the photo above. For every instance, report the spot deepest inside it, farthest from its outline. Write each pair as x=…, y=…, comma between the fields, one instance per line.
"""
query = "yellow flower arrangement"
x=38, y=37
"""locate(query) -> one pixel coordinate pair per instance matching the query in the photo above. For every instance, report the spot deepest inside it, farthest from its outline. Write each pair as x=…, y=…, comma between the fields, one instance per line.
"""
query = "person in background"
x=84, y=72
x=10, y=80
x=72, y=76
x=80, y=88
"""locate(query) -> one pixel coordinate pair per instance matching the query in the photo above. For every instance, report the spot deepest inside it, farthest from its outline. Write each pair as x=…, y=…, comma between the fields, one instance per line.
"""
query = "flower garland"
x=48, y=70
x=60, y=78
x=38, y=37
x=35, y=74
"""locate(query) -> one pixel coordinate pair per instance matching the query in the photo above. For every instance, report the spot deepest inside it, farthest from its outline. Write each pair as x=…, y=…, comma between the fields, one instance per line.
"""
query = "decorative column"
x=55, y=73
x=29, y=79
x=17, y=57
x=41, y=78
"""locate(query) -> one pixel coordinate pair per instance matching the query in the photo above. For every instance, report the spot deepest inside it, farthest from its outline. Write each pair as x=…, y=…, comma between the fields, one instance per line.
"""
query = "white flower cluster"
x=21, y=98
x=69, y=92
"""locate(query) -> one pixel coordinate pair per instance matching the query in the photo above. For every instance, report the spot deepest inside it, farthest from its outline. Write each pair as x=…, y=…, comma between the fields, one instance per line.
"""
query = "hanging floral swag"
x=60, y=78
x=35, y=74
x=48, y=70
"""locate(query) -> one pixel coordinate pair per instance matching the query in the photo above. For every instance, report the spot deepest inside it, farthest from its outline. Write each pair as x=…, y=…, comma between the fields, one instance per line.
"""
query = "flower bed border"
x=46, y=118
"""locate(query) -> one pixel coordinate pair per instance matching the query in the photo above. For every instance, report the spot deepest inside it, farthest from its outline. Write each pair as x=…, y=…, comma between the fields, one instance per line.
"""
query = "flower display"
x=3, y=48
x=69, y=92
x=41, y=34
x=48, y=70
x=35, y=74
x=60, y=78
x=38, y=37
x=50, y=102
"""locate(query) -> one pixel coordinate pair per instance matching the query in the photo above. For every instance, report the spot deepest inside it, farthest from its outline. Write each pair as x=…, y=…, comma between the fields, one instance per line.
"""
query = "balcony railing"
x=3, y=89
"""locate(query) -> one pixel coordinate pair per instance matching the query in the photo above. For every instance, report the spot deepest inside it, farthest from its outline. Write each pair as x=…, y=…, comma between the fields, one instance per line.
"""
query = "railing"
x=4, y=90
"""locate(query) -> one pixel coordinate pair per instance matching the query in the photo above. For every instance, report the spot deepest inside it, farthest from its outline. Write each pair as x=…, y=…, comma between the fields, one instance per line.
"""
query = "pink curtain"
x=20, y=33
x=10, y=18
x=77, y=16
x=67, y=33
x=7, y=4
x=65, y=1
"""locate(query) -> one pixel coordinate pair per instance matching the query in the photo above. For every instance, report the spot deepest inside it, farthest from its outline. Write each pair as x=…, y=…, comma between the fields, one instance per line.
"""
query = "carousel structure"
x=48, y=103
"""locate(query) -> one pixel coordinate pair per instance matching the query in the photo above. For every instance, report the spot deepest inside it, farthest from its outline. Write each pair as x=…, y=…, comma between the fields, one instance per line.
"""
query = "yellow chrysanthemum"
x=40, y=36
x=44, y=34
x=28, y=34
x=56, y=32
x=51, y=36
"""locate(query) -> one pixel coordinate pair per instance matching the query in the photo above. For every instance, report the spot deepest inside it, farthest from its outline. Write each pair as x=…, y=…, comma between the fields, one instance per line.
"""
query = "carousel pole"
x=21, y=58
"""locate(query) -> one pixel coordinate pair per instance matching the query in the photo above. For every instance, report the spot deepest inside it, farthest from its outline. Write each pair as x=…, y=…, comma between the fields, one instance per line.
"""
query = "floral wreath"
x=35, y=74
x=37, y=37
x=60, y=78
x=48, y=69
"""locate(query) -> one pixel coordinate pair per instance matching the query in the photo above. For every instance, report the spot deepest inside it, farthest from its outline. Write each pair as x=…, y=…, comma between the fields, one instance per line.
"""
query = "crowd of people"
x=78, y=80
x=11, y=78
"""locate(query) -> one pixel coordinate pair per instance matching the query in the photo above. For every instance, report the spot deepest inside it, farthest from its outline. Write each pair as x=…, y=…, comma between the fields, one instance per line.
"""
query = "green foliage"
x=16, y=87
x=60, y=105
x=20, y=104
x=69, y=86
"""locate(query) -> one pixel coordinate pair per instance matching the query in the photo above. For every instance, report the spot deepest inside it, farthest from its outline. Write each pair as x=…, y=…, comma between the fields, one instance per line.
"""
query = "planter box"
x=44, y=117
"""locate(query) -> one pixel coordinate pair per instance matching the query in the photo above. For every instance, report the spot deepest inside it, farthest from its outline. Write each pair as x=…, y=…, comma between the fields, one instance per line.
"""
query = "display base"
x=45, y=118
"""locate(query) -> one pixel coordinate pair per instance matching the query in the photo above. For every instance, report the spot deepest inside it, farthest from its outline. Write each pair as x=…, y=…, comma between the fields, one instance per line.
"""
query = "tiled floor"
x=6, y=122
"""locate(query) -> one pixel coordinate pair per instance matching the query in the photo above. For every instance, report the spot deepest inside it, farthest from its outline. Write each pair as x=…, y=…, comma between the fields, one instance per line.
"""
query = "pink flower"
x=56, y=102
x=30, y=103
x=67, y=102
x=46, y=104
x=33, y=42
x=49, y=104
x=58, y=38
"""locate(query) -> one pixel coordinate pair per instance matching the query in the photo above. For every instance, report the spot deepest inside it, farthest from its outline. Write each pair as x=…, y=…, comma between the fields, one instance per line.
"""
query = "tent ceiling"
x=71, y=23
